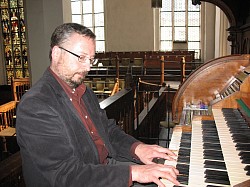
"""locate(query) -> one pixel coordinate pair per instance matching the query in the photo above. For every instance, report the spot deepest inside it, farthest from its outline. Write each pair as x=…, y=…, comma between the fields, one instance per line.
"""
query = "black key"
x=212, y=154
x=184, y=152
x=213, y=157
x=183, y=179
x=183, y=159
x=209, y=172
x=183, y=168
x=247, y=168
x=215, y=165
x=211, y=140
x=185, y=144
x=159, y=160
x=217, y=181
x=216, y=177
x=245, y=161
x=244, y=156
x=211, y=146
x=241, y=148
x=240, y=140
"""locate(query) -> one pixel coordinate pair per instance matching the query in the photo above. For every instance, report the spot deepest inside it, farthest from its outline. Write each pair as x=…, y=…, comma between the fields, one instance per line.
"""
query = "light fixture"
x=156, y=3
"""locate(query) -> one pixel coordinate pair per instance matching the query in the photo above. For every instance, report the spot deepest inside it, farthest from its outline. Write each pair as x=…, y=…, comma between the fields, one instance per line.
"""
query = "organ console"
x=212, y=140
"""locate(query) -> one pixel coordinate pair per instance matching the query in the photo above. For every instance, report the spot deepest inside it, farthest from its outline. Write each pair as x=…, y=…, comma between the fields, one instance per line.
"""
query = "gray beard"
x=74, y=84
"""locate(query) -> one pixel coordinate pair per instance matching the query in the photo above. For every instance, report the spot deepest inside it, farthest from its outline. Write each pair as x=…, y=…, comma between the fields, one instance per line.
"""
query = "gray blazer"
x=55, y=146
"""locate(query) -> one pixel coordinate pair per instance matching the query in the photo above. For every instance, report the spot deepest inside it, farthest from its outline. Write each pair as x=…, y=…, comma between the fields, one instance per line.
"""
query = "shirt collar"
x=79, y=91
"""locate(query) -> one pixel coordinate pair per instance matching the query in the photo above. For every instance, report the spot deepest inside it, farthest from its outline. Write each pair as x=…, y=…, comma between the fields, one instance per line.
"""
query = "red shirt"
x=75, y=95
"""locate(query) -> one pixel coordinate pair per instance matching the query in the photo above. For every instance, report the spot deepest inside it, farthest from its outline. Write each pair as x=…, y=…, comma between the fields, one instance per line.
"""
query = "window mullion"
x=173, y=22
x=93, y=15
x=186, y=20
x=81, y=8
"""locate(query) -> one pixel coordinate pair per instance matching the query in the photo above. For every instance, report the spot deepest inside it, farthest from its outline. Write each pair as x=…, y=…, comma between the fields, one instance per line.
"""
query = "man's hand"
x=146, y=153
x=153, y=173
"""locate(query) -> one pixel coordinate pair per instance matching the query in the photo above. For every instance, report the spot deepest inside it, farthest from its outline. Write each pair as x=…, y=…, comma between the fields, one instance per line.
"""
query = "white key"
x=235, y=168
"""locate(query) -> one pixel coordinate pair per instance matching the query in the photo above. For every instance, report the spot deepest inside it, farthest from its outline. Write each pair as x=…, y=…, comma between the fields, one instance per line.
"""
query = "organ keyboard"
x=235, y=167
x=207, y=169
x=215, y=152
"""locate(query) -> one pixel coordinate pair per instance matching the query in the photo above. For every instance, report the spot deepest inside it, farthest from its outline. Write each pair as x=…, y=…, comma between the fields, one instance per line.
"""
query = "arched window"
x=90, y=13
x=180, y=24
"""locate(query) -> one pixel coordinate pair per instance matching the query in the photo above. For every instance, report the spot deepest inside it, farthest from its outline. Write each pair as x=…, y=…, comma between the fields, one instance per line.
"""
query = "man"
x=65, y=138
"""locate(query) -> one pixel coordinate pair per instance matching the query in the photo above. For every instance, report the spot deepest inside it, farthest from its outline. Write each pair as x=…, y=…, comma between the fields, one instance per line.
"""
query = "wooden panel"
x=208, y=80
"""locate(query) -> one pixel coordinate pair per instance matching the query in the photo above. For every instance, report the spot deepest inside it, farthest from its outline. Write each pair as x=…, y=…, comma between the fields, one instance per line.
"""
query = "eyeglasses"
x=82, y=58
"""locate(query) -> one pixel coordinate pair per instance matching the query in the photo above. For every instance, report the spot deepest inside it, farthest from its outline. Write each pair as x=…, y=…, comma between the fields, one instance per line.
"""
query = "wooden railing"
x=121, y=108
x=10, y=165
x=7, y=115
x=145, y=91
x=147, y=121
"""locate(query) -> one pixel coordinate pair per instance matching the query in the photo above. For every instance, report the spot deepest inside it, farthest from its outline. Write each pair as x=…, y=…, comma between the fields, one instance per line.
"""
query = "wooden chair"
x=138, y=66
x=113, y=62
x=125, y=61
x=100, y=85
x=88, y=83
x=7, y=115
x=110, y=86
x=104, y=61
x=121, y=84
x=138, y=62
x=95, y=79
x=20, y=86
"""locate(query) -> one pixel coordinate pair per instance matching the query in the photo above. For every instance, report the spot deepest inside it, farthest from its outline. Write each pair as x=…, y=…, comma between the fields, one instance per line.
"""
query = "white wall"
x=214, y=24
x=222, y=45
x=42, y=16
x=129, y=25
x=208, y=28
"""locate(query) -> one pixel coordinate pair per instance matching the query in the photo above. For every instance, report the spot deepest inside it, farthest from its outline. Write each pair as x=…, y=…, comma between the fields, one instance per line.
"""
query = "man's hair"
x=64, y=31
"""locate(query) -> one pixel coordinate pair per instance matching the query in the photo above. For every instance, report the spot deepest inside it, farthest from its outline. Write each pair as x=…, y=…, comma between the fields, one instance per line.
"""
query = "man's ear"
x=55, y=53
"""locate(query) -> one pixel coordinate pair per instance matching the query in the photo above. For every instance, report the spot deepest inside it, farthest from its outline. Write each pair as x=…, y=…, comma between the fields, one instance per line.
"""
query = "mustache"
x=84, y=73
x=75, y=83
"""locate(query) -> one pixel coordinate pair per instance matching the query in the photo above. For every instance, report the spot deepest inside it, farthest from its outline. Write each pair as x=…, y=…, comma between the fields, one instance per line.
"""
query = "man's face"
x=68, y=66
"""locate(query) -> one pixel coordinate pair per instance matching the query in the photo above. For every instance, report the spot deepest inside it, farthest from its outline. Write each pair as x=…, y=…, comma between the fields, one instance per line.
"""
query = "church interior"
x=161, y=91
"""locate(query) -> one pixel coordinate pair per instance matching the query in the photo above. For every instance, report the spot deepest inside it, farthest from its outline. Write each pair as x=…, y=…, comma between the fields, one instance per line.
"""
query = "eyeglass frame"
x=82, y=58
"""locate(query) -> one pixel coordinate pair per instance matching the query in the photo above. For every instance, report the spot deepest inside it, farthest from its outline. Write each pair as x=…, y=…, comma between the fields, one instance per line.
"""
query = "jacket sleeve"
x=50, y=158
